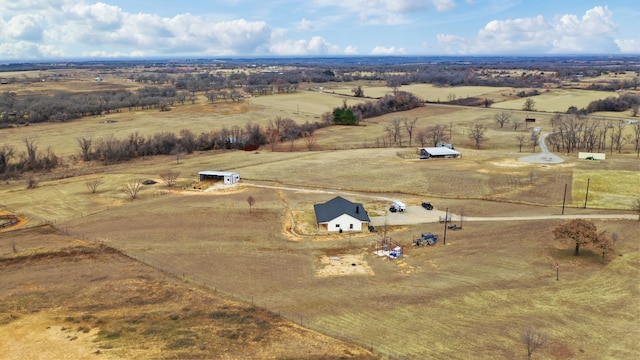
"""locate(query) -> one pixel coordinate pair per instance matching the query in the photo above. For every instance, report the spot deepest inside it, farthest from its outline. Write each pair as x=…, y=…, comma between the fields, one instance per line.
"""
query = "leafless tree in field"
x=437, y=134
x=32, y=182
x=636, y=137
x=520, y=139
x=477, y=134
x=177, y=151
x=533, y=340
x=409, y=126
x=516, y=124
x=85, y=148
x=6, y=154
x=132, y=189
x=502, y=117
x=534, y=140
x=32, y=151
x=421, y=137
x=169, y=177
x=93, y=185
x=394, y=130
x=250, y=201
x=529, y=105
x=310, y=140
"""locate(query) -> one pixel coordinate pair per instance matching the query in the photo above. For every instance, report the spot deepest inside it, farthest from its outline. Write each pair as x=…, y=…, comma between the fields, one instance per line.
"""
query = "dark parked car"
x=427, y=205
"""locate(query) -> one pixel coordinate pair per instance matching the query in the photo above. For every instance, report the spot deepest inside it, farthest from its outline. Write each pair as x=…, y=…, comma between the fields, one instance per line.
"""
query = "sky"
x=144, y=29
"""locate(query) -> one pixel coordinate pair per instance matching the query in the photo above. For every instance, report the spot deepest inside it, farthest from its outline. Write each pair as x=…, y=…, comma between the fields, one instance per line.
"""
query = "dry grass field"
x=469, y=299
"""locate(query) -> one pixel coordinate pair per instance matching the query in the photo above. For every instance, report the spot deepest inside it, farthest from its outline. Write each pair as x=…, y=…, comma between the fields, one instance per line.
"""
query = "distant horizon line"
x=310, y=57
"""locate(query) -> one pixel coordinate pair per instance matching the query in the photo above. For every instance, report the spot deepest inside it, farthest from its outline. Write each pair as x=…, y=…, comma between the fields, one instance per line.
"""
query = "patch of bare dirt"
x=344, y=265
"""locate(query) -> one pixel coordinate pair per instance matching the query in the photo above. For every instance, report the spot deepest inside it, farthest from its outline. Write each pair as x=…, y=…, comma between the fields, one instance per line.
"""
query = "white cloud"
x=381, y=50
x=385, y=12
x=564, y=34
x=304, y=25
x=27, y=27
x=629, y=46
x=350, y=50
x=315, y=46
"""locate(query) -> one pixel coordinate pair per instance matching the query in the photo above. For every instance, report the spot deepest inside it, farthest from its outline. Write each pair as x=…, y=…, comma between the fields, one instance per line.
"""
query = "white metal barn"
x=227, y=177
x=438, y=152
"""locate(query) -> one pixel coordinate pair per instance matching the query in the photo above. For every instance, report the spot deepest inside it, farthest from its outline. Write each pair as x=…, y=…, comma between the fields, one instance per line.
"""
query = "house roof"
x=440, y=150
x=339, y=206
x=217, y=173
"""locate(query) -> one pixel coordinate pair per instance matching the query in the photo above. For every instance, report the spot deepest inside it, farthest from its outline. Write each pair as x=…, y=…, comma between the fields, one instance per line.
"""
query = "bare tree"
x=529, y=104
x=535, y=137
x=32, y=182
x=132, y=189
x=357, y=91
x=422, y=136
x=520, y=138
x=310, y=140
x=516, y=124
x=393, y=129
x=6, y=154
x=94, y=184
x=177, y=151
x=502, y=117
x=32, y=151
x=250, y=201
x=437, y=134
x=533, y=340
x=170, y=177
x=409, y=126
x=477, y=134
x=394, y=83
x=85, y=148
x=636, y=138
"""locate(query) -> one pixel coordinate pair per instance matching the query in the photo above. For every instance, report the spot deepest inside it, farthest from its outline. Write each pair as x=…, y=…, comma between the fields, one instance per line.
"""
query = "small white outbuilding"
x=228, y=177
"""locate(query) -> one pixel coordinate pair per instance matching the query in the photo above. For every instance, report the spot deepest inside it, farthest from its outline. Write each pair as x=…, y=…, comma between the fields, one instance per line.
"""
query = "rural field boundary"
x=254, y=301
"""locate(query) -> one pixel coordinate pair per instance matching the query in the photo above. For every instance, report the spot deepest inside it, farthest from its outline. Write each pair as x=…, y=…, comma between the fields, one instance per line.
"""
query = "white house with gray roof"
x=340, y=214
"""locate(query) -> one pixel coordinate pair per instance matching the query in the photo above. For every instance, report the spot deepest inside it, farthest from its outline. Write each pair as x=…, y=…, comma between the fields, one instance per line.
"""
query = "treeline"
x=620, y=103
x=66, y=106
x=577, y=132
x=14, y=163
x=110, y=150
x=352, y=115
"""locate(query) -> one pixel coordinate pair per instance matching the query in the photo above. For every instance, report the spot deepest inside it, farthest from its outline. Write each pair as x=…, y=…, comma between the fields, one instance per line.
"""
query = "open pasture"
x=557, y=100
x=489, y=282
x=477, y=293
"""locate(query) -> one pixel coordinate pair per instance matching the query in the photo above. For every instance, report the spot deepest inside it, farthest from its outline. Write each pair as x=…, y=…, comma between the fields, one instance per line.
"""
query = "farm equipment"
x=426, y=239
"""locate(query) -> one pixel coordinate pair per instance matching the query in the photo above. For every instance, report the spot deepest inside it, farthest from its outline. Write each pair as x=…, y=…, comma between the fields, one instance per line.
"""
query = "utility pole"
x=444, y=238
x=564, y=198
x=587, y=194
